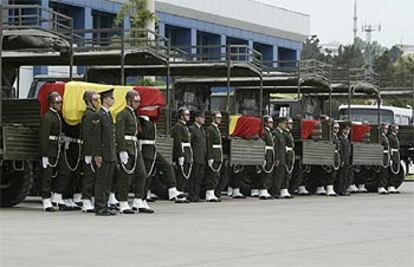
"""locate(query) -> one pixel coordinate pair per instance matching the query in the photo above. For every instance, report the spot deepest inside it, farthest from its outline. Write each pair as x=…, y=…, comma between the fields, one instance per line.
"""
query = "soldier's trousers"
x=160, y=165
x=351, y=175
x=103, y=183
x=212, y=177
x=88, y=181
x=342, y=181
x=181, y=179
x=262, y=179
x=57, y=184
x=195, y=180
x=280, y=179
x=139, y=176
x=297, y=177
x=383, y=180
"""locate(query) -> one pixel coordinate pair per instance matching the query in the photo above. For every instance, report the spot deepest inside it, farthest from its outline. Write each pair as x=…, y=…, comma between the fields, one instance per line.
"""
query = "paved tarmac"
x=361, y=230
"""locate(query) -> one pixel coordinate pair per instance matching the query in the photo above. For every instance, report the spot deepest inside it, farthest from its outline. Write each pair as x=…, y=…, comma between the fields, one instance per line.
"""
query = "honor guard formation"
x=119, y=160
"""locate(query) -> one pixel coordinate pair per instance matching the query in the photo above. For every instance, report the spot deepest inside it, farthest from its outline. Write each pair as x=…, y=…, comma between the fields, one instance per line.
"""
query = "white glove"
x=210, y=162
x=88, y=159
x=123, y=156
x=45, y=162
x=181, y=161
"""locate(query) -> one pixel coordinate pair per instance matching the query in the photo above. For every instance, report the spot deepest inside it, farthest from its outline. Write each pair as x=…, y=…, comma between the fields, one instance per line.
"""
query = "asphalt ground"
x=360, y=230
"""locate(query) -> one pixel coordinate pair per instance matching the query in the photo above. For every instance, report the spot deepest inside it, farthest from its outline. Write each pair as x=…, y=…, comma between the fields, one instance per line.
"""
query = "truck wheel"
x=15, y=184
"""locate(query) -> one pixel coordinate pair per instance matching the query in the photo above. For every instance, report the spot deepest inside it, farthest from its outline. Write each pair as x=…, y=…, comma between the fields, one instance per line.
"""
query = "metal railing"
x=216, y=53
x=119, y=38
x=37, y=17
x=353, y=75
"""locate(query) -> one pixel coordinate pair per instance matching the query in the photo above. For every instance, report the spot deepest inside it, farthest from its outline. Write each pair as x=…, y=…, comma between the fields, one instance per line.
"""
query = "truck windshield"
x=368, y=116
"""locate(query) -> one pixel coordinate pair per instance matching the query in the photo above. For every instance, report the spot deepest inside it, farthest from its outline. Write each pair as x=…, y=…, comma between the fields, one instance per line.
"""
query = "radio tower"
x=355, y=18
x=369, y=29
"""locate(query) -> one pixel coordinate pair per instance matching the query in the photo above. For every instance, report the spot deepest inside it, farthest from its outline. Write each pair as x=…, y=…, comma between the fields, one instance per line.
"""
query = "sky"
x=332, y=20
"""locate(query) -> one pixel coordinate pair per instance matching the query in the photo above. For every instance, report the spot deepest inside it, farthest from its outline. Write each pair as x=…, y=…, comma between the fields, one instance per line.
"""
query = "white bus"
x=369, y=114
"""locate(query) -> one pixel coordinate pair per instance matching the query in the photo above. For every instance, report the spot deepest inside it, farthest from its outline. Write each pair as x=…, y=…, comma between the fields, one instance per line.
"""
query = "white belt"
x=183, y=145
x=288, y=148
x=216, y=146
x=269, y=148
x=394, y=150
x=53, y=138
x=131, y=138
x=146, y=142
x=386, y=151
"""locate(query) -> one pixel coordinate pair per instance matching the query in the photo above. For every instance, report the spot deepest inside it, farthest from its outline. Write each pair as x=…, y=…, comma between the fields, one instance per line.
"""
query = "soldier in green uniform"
x=265, y=175
x=279, y=182
x=214, y=157
x=342, y=181
x=290, y=156
x=132, y=166
x=104, y=153
x=155, y=162
x=394, y=159
x=384, y=175
x=88, y=182
x=182, y=151
x=198, y=144
x=51, y=151
x=333, y=172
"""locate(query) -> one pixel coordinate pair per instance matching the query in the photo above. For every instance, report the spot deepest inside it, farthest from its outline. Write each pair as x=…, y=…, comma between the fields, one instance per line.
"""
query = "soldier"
x=279, y=182
x=341, y=184
x=394, y=158
x=104, y=153
x=332, y=175
x=182, y=152
x=155, y=162
x=214, y=158
x=265, y=175
x=130, y=157
x=290, y=152
x=383, y=176
x=92, y=104
x=198, y=144
x=51, y=151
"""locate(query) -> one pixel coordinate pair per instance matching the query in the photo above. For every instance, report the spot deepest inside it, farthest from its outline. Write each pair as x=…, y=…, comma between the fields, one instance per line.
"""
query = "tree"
x=349, y=56
x=312, y=50
x=139, y=16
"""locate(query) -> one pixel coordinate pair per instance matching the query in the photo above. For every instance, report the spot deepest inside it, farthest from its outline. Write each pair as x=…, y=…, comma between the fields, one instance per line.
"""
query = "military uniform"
x=395, y=158
x=198, y=144
x=127, y=126
x=279, y=181
x=72, y=157
x=182, y=148
x=265, y=175
x=89, y=174
x=384, y=175
x=342, y=182
x=290, y=155
x=153, y=160
x=103, y=146
x=52, y=148
x=215, y=153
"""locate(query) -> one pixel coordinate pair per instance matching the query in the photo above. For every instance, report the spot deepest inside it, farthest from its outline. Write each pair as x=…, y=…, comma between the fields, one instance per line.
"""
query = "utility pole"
x=369, y=29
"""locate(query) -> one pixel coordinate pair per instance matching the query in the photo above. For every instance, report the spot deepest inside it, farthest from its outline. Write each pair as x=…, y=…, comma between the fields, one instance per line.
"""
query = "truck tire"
x=15, y=184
